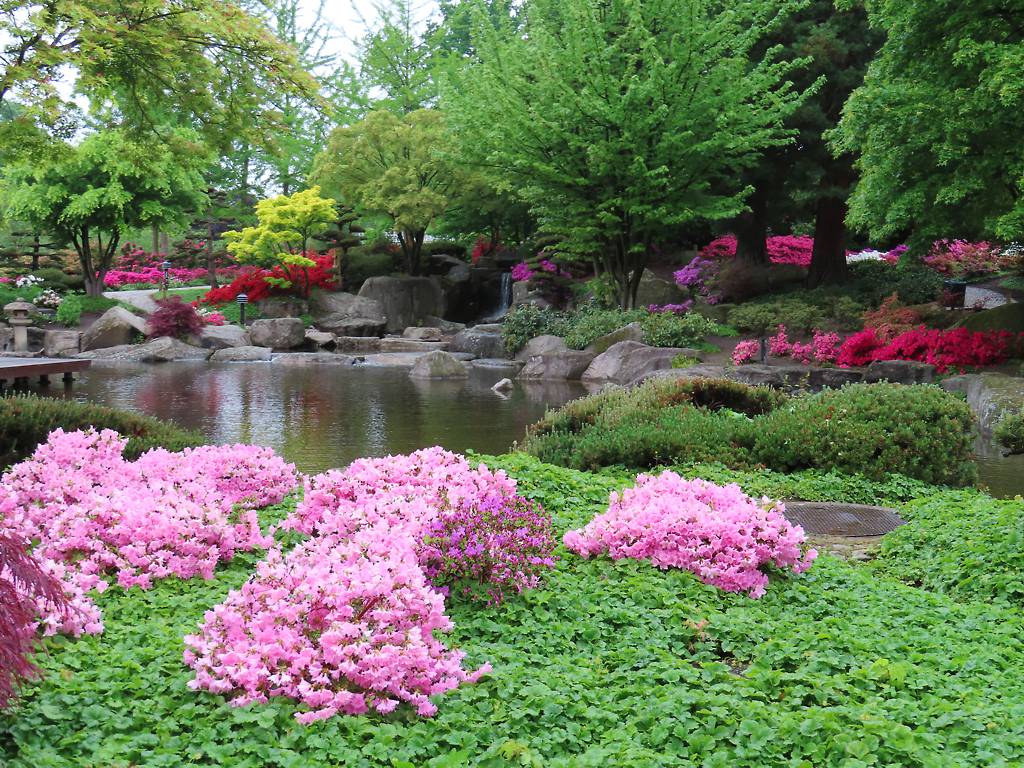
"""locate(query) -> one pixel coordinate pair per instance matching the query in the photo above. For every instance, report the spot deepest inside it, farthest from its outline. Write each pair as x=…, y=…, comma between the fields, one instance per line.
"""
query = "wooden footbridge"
x=17, y=371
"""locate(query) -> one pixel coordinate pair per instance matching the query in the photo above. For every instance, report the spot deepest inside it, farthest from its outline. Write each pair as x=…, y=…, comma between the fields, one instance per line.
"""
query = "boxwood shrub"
x=26, y=420
x=875, y=430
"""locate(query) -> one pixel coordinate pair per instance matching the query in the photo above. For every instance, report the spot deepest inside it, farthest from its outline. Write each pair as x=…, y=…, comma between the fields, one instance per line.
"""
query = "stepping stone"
x=819, y=518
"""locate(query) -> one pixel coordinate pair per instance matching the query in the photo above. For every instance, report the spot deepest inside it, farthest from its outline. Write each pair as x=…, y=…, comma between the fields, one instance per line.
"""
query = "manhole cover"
x=851, y=520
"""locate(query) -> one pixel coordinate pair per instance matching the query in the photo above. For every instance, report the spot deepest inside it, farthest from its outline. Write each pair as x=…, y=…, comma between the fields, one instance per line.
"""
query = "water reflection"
x=325, y=416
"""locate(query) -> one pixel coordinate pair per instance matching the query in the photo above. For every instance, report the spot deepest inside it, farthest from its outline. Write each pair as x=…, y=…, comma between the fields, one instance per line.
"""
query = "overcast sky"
x=349, y=17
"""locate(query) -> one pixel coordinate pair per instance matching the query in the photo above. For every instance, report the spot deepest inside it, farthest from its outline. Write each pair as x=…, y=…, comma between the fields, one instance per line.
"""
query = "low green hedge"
x=870, y=429
x=25, y=421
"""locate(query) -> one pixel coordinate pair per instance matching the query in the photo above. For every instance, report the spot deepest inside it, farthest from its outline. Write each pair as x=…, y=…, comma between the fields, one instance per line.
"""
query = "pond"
x=323, y=416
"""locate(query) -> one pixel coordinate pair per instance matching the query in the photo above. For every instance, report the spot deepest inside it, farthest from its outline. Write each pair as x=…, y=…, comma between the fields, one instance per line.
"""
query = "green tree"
x=285, y=225
x=622, y=121
x=938, y=123
x=149, y=58
x=396, y=64
x=89, y=195
x=398, y=166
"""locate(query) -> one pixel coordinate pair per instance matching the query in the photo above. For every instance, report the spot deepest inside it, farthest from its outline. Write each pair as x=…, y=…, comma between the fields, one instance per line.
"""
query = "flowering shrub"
x=716, y=532
x=289, y=280
x=173, y=317
x=166, y=514
x=891, y=318
x=484, y=547
x=958, y=348
x=746, y=351
x=343, y=624
x=782, y=249
x=521, y=272
x=870, y=254
x=48, y=299
x=117, y=278
x=670, y=309
x=823, y=348
x=27, y=281
x=211, y=317
x=352, y=608
x=959, y=258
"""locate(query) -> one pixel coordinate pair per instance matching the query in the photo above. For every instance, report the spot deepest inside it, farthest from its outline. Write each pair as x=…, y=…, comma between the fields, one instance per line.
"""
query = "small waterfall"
x=505, y=297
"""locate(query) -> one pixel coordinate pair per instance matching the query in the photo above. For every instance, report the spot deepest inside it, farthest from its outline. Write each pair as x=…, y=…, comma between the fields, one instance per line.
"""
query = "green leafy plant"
x=1010, y=432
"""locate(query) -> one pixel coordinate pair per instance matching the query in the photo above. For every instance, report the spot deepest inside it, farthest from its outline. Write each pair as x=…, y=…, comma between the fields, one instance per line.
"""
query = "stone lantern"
x=18, y=315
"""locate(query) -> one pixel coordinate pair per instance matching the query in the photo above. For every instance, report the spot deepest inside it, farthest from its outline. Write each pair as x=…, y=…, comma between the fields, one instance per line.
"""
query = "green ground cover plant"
x=26, y=420
x=608, y=663
x=870, y=429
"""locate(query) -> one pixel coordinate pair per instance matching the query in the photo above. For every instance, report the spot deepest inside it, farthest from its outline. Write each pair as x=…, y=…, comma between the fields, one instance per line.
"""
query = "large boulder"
x=278, y=333
x=989, y=395
x=282, y=306
x=900, y=372
x=319, y=339
x=115, y=327
x=701, y=371
x=312, y=358
x=357, y=343
x=406, y=301
x=398, y=344
x=631, y=332
x=480, y=341
x=438, y=365
x=224, y=336
x=160, y=350
x=627, y=361
x=422, y=334
x=655, y=290
x=345, y=314
x=542, y=345
x=242, y=355
x=567, y=365
x=446, y=326
x=58, y=343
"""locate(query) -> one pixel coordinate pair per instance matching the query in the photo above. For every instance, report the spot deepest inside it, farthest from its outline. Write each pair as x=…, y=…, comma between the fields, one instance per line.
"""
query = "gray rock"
x=631, y=332
x=702, y=371
x=900, y=372
x=787, y=377
x=438, y=365
x=498, y=364
x=480, y=343
x=58, y=343
x=398, y=344
x=628, y=361
x=488, y=327
x=542, y=345
x=422, y=334
x=160, y=350
x=405, y=300
x=115, y=327
x=503, y=386
x=278, y=333
x=242, y=355
x=6, y=338
x=834, y=378
x=224, y=336
x=654, y=290
x=989, y=395
x=446, y=326
x=317, y=338
x=345, y=314
x=282, y=306
x=312, y=358
x=567, y=365
x=357, y=343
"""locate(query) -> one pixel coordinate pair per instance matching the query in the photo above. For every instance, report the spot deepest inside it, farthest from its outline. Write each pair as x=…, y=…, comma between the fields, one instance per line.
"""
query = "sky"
x=350, y=16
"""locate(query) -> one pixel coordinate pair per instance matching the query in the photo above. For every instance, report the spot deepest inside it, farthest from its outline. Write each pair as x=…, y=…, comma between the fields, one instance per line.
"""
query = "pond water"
x=323, y=416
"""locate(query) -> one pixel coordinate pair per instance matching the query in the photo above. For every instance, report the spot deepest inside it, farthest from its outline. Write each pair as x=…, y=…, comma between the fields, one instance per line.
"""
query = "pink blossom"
x=746, y=351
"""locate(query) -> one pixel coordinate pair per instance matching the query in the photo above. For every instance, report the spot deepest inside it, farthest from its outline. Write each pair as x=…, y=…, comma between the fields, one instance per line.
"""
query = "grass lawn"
x=608, y=664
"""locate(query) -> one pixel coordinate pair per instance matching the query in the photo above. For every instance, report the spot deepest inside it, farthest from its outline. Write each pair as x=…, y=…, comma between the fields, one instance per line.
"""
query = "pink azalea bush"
x=822, y=348
x=96, y=515
x=716, y=532
x=782, y=249
x=670, y=309
x=345, y=622
x=118, y=278
x=960, y=258
x=521, y=272
x=746, y=352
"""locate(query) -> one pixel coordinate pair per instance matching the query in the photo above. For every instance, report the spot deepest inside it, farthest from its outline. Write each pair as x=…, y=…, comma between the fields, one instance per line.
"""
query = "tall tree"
x=147, y=57
x=621, y=121
x=938, y=121
x=396, y=61
x=89, y=195
x=398, y=166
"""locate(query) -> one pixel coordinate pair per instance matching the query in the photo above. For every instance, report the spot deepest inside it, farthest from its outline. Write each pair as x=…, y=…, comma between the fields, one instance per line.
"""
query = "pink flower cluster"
x=782, y=249
x=960, y=258
x=94, y=514
x=746, y=351
x=670, y=309
x=345, y=622
x=117, y=278
x=521, y=272
x=716, y=532
x=822, y=348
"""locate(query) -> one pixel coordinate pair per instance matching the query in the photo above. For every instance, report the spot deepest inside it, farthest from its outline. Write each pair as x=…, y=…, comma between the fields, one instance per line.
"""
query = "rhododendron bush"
x=96, y=516
x=345, y=622
x=289, y=280
x=782, y=249
x=822, y=348
x=958, y=348
x=716, y=532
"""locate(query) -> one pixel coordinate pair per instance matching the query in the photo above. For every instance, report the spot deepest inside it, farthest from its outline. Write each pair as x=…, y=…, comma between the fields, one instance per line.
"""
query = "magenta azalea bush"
x=97, y=517
x=119, y=278
x=716, y=532
x=345, y=622
x=822, y=348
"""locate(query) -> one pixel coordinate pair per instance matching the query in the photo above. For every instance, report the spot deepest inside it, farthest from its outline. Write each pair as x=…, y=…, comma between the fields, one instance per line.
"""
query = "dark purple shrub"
x=22, y=583
x=173, y=317
x=482, y=550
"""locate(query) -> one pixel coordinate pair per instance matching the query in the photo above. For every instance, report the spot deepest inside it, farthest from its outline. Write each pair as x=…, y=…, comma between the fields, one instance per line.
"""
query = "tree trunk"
x=211, y=266
x=752, y=230
x=35, y=251
x=165, y=244
x=155, y=232
x=828, y=260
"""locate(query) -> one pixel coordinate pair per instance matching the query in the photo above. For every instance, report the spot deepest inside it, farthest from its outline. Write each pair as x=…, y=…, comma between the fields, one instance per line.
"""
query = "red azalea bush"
x=174, y=318
x=259, y=284
x=957, y=349
x=891, y=318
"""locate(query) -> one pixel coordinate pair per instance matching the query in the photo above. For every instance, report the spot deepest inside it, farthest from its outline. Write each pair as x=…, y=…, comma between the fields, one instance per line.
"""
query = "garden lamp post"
x=19, y=316
x=165, y=266
x=242, y=300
